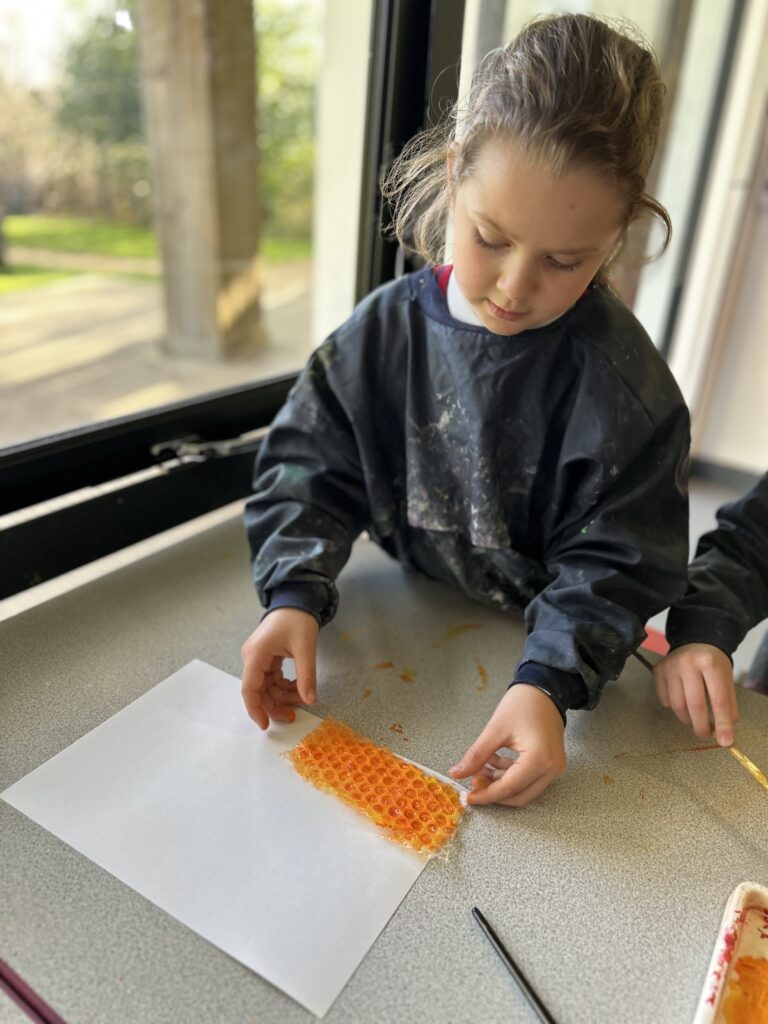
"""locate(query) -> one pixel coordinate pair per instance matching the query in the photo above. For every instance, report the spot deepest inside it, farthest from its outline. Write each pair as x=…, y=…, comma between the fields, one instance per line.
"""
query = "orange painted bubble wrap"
x=412, y=807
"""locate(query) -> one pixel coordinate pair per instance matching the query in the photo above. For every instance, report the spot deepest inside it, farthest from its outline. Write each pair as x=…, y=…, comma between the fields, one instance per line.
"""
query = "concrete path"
x=90, y=348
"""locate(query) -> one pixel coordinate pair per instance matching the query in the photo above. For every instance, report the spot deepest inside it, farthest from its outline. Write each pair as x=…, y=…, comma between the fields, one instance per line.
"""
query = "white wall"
x=733, y=426
x=703, y=327
x=683, y=153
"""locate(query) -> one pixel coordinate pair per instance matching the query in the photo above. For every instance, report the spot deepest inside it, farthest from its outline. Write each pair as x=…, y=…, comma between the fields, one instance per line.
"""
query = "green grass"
x=283, y=250
x=80, y=234
x=17, y=278
x=105, y=238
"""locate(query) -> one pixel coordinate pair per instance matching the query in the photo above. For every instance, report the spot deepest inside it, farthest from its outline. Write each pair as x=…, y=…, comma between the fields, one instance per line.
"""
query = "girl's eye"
x=563, y=266
x=486, y=244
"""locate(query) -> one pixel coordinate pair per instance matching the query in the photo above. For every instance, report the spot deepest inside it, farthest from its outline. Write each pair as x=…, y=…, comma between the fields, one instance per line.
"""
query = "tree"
x=288, y=34
x=100, y=93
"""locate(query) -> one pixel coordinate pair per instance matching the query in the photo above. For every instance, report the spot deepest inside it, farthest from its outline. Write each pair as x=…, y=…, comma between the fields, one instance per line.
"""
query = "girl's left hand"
x=528, y=722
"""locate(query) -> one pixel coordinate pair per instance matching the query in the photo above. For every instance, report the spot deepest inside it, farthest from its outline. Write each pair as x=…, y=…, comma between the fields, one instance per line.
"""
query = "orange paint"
x=670, y=750
x=407, y=676
x=456, y=631
x=608, y=780
x=747, y=998
x=480, y=782
x=481, y=671
x=384, y=664
x=396, y=727
x=414, y=808
x=367, y=693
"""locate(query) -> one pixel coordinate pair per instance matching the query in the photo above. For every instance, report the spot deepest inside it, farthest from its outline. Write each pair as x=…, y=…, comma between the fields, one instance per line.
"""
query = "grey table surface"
x=608, y=890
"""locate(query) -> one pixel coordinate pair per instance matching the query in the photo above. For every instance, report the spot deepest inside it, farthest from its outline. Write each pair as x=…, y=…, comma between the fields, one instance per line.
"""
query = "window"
x=242, y=153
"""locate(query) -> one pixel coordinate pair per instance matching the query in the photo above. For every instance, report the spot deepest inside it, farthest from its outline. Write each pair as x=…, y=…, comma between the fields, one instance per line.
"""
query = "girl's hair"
x=572, y=91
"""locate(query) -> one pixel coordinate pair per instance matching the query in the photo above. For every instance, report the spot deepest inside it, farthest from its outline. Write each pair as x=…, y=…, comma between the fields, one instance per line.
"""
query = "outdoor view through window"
x=156, y=202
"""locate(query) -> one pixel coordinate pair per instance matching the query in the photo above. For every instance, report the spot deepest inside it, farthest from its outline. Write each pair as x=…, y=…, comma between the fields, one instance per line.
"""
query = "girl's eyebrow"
x=585, y=251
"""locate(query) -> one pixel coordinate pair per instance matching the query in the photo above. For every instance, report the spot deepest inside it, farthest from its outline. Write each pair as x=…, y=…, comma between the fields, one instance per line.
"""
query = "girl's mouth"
x=504, y=314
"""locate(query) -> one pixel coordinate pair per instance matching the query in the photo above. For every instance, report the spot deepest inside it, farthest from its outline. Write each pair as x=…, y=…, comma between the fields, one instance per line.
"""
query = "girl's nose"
x=517, y=279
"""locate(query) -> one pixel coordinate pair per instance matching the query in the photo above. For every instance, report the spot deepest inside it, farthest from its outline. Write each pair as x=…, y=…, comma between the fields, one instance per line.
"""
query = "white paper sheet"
x=182, y=798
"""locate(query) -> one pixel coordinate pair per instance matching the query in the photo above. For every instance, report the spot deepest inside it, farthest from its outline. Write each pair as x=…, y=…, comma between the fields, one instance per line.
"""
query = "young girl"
x=503, y=424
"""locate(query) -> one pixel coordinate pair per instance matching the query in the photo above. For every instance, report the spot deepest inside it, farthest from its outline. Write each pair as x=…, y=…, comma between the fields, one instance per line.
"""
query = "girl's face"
x=527, y=243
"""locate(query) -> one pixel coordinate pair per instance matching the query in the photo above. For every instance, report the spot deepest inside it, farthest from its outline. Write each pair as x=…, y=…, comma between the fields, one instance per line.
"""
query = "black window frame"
x=154, y=481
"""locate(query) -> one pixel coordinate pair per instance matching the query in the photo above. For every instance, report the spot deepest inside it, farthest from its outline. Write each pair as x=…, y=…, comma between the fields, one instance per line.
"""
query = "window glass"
x=164, y=198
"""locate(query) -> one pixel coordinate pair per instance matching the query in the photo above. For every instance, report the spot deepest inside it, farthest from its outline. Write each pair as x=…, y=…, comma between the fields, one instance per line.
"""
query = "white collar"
x=458, y=304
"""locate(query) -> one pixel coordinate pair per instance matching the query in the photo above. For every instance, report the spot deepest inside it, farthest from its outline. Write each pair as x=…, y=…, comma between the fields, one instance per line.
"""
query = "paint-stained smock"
x=544, y=472
x=728, y=579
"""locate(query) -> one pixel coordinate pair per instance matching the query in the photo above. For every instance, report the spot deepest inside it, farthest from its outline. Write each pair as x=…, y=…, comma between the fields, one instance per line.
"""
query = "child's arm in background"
x=727, y=595
x=690, y=676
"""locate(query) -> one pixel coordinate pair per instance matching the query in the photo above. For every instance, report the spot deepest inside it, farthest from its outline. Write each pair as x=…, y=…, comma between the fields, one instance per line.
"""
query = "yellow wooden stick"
x=751, y=767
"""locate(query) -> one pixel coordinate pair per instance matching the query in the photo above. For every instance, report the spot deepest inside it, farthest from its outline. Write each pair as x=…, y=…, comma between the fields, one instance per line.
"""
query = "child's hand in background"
x=688, y=677
x=528, y=722
x=284, y=633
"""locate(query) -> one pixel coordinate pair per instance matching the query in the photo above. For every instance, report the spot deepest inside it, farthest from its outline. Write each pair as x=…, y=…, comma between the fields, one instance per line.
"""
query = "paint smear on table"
x=367, y=693
x=412, y=807
x=669, y=750
x=483, y=673
x=455, y=631
x=407, y=676
x=384, y=664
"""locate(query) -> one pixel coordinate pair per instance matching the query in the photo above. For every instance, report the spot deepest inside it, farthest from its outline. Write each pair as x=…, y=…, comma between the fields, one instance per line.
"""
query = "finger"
x=282, y=715
x=497, y=761
x=284, y=698
x=256, y=664
x=479, y=754
x=735, y=713
x=529, y=794
x=677, y=699
x=288, y=685
x=306, y=671
x=719, y=690
x=662, y=690
x=696, y=702
x=524, y=773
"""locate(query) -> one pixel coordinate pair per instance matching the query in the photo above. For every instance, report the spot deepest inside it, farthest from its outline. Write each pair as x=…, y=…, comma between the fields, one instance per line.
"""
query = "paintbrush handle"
x=536, y=1004
x=751, y=767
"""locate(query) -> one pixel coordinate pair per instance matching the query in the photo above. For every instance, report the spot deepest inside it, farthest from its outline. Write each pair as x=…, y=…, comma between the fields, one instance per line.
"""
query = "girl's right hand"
x=268, y=695
x=526, y=721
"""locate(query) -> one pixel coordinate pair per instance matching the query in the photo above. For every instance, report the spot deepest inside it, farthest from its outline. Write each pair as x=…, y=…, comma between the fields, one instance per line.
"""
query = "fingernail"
x=313, y=697
x=456, y=768
x=291, y=716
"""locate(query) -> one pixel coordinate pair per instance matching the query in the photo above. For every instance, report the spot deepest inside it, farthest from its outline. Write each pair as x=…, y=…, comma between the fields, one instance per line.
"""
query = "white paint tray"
x=743, y=933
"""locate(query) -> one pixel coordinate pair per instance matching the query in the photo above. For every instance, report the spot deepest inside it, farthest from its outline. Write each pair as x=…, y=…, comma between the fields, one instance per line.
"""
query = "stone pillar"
x=199, y=91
